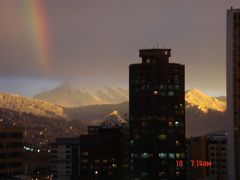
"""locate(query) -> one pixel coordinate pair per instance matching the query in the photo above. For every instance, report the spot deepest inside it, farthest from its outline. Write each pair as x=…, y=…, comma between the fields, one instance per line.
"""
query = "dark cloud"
x=101, y=38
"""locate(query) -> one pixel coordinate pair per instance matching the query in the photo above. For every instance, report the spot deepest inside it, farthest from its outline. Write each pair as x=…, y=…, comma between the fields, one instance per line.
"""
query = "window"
x=177, y=86
x=161, y=174
x=162, y=86
x=144, y=174
x=177, y=173
x=155, y=92
x=131, y=142
x=170, y=87
x=162, y=136
x=176, y=123
x=162, y=155
x=177, y=155
x=170, y=93
x=145, y=155
x=171, y=155
x=162, y=93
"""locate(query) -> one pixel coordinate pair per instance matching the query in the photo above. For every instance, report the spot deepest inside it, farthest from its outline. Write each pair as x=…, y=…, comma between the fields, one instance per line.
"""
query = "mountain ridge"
x=195, y=97
x=199, y=121
x=69, y=95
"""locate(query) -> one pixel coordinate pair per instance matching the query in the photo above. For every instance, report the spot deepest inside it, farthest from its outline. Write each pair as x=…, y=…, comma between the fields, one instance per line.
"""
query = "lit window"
x=162, y=136
x=162, y=155
x=178, y=156
x=177, y=87
x=85, y=153
x=131, y=142
x=176, y=123
x=171, y=155
x=145, y=155
x=85, y=160
x=162, y=173
x=170, y=93
x=155, y=92
x=177, y=142
x=162, y=86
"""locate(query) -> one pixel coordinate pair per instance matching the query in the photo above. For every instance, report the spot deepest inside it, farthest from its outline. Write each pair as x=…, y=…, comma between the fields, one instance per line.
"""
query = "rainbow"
x=39, y=33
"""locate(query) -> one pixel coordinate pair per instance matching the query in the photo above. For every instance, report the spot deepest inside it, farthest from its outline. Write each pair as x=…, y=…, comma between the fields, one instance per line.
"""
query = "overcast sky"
x=97, y=40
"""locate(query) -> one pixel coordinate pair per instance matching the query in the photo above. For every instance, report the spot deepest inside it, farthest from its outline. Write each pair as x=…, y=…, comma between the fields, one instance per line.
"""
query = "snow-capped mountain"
x=69, y=94
x=113, y=119
x=29, y=105
x=196, y=98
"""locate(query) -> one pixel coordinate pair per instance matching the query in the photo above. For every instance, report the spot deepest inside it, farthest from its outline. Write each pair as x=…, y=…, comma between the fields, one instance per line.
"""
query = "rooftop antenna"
x=157, y=45
x=231, y=8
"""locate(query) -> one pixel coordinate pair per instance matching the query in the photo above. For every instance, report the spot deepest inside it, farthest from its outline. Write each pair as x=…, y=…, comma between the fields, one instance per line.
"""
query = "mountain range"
x=204, y=114
x=68, y=94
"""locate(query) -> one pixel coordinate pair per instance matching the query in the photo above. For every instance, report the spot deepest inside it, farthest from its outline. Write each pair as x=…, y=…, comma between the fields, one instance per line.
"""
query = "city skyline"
x=45, y=43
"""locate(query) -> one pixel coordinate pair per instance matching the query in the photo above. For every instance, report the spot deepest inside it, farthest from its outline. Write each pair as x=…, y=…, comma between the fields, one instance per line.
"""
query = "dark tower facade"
x=233, y=92
x=157, y=117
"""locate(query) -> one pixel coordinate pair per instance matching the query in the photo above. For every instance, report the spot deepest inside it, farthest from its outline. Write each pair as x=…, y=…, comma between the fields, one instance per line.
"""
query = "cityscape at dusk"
x=119, y=90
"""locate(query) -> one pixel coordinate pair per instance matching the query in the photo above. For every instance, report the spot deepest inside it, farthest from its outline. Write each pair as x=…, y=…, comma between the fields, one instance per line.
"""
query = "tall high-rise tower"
x=157, y=117
x=233, y=92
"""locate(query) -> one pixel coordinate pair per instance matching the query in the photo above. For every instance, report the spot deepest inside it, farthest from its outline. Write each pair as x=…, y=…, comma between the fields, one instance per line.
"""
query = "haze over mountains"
x=70, y=94
x=204, y=114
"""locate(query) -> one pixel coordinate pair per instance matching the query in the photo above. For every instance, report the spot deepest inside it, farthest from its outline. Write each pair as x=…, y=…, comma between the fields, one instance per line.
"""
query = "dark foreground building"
x=102, y=154
x=11, y=151
x=207, y=157
x=157, y=117
x=233, y=92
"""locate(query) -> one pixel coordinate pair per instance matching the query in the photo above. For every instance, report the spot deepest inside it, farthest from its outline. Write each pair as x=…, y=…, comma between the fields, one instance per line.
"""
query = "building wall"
x=196, y=150
x=157, y=116
x=217, y=154
x=211, y=148
x=11, y=151
x=62, y=158
x=233, y=86
x=102, y=155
